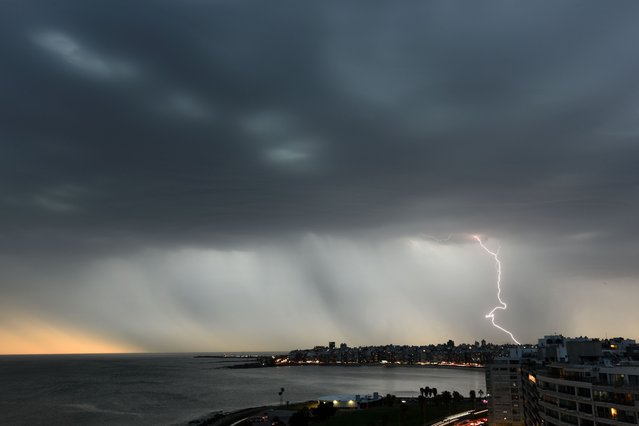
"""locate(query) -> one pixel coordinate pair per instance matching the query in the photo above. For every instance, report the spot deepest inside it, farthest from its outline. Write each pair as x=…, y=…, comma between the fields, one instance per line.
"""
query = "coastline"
x=230, y=418
x=197, y=389
x=235, y=417
x=262, y=365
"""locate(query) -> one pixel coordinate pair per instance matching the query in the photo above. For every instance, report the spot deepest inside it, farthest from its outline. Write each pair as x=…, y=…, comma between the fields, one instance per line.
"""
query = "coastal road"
x=452, y=419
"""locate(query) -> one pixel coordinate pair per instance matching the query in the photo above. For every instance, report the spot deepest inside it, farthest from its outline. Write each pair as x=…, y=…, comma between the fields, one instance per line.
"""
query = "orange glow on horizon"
x=39, y=338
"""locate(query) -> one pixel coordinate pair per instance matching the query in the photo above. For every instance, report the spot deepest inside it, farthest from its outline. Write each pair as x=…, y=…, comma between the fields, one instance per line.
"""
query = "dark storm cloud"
x=233, y=124
x=160, y=120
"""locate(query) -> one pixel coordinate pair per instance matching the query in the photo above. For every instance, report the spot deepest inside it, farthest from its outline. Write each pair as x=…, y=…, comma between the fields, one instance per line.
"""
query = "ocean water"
x=175, y=388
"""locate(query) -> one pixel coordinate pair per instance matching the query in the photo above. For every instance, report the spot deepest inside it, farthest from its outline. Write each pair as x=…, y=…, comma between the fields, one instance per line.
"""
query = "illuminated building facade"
x=579, y=383
x=568, y=382
x=583, y=395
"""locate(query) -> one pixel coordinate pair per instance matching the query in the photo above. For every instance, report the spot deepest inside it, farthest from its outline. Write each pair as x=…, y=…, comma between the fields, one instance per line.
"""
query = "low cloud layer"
x=224, y=175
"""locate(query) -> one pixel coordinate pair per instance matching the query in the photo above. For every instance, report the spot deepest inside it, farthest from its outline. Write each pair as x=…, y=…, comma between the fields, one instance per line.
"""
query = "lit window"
x=613, y=413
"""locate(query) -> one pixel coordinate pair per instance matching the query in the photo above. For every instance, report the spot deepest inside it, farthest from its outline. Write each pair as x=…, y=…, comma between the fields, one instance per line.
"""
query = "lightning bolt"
x=503, y=306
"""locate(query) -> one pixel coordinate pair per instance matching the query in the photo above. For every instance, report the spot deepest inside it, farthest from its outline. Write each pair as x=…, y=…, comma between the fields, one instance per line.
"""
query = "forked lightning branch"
x=491, y=314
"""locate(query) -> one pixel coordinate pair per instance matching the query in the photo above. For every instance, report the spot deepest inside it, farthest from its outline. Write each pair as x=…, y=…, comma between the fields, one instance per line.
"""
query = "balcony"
x=614, y=398
x=554, y=420
x=566, y=378
x=612, y=413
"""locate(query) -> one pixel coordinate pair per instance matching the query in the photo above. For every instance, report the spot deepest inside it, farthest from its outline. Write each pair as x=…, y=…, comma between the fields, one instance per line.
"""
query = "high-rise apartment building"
x=561, y=394
x=503, y=382
x=569, y=382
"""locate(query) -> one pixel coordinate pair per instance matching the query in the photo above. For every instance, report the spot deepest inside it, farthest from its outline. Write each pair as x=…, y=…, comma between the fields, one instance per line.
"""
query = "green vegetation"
x=409, y=414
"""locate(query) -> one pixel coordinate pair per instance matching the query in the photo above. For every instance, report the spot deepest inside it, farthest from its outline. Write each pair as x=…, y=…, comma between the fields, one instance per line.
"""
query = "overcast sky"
x=248, y=175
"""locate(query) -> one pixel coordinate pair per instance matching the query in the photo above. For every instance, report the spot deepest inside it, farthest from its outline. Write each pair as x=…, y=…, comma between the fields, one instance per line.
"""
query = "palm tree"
x=481, y=393
x=281, y=392
x=427, y=391
x=434, y=392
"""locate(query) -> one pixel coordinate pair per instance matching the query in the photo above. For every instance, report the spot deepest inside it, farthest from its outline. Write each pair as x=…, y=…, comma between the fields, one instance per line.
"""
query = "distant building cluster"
x=468, y=355
x=566, y=381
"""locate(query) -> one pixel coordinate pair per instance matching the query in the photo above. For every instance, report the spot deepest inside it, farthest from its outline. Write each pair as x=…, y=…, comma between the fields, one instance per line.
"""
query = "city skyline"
x=215, y=176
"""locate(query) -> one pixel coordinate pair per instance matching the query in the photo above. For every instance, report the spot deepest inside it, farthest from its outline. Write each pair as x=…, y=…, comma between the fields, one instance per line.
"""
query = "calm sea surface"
x=170, y=388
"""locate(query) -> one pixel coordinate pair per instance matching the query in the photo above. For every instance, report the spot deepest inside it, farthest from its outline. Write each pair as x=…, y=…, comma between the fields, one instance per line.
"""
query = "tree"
x=389, y=400
x=434, y=392
x=481, y=393
x=472, y=397
x=427, y=391
x=457, y=397
x=446, y=397
x=281, y=392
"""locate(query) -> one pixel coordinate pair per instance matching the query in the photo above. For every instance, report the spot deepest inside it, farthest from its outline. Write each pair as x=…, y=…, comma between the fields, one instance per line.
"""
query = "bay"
x=175, y=388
